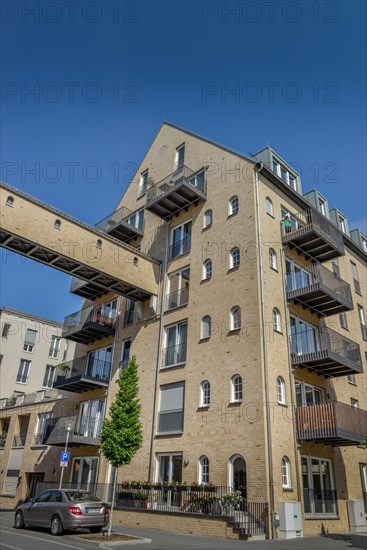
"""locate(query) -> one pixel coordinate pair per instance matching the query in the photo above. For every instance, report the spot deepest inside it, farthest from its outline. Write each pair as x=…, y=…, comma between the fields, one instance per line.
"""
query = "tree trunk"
x=113, y=501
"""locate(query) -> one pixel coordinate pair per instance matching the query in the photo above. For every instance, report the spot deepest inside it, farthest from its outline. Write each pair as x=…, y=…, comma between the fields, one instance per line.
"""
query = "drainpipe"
x=265, y=353
x=162, y=273
x=291, y=380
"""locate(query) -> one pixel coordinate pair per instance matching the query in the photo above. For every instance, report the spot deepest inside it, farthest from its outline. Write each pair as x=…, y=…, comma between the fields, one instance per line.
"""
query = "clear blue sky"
x=106, y=74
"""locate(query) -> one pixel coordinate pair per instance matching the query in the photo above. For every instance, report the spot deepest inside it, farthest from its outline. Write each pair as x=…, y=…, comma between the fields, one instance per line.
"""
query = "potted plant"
x=142, y=499
x=232, y=502
x=64, y=368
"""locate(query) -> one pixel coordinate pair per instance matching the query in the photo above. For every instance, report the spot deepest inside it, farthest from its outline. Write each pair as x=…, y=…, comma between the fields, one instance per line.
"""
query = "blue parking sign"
x=65, y=457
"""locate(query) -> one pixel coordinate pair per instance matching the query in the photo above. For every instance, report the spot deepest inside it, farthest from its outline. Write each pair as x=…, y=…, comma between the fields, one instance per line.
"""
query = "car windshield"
x=81, y=496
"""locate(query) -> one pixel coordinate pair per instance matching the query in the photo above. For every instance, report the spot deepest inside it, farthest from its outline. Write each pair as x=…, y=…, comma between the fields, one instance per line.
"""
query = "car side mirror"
x=32, y=500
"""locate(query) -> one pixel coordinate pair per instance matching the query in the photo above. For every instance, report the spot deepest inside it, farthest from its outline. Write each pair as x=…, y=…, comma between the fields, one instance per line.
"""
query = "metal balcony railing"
x=311, y=345
x=170, y=422
x=84, y=366
x=181, y=247
x=320, y=289
x=39, y=440
x=177, y=299
x=314, y=235
x=332, y=423
x=318, y=502
x=181, y=175
x=85, y=430
x=122, y=216
x=19, y=440
x=174, y=355
x=2, y=441
x=101, y=316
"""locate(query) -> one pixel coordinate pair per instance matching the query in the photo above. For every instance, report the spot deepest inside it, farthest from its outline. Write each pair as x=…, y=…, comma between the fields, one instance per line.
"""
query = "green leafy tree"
x=122, y=434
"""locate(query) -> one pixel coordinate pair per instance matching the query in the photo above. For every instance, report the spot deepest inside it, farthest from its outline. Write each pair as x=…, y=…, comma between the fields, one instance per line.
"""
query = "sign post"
x=65, y=456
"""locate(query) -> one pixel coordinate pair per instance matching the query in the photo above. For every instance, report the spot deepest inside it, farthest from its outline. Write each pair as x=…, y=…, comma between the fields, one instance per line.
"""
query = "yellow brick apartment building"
x=251, y=351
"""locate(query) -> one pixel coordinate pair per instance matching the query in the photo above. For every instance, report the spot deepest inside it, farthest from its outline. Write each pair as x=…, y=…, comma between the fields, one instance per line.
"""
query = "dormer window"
x=342, y=224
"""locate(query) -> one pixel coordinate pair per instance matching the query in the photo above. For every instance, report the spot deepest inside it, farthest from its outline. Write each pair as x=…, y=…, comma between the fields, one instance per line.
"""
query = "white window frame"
x=203, y=470
x=235, y=319
x=236, y=388
x=322, y=206
x=310, y=327
x=286, y=473
x=277, y=320
x=269, y=207
x=273, y=261
x=82, y=458
x=280, y=384
x=309, y=459
x=172, y=231
x=143, y=183
x=208, y=218
x=205, y=393
x=234, y=258
x=178, y=341
x=315, y=390
x=50, y=376
x=342, y=224
x=206, y=327
x=352, y=379
x=207, y=269
x=179, y=164
x=343, y=320
x=25, y=364
x=233, y=205
x=54, y=350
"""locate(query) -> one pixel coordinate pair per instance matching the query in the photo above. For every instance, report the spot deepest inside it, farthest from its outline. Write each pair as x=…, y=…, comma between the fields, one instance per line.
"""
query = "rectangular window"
x=304, y=336
x=198, y=180
x=342, y=224
x=54, y=347
x=343, y=320
x=307, y=394
x=319, y=496
x=352, y=379
x=357, y=286
x=335, y=267
x=296, y=276
x=362, y=322
x=175, y=344
x=48, y=379
x=5, y=331
x=125, y=354
x=29, y=340
x=90, y=418
x=322, y=207
x=129, y=312
x=363, y=472
x=143, y=183
x=23, y=371
x=84, y=472
x=178, y=288
x=364, y=244
x=136, y=219
x=180, y=240
x=180, y=157
x=99, y=363
x=42, y=431
x=171, y=408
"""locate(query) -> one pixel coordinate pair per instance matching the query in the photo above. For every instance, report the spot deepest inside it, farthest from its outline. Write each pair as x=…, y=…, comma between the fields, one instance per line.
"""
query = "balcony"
x=174, y=355
x=319, y=290
x=170, y=422
x=85, y=431
x=86, y=289
x=177, y=191
x=123, y=224
x=331, y=423
x=328, y=353
x=177, y=299
x=89, y=324
x=82, y=374
x=180, y=247
x=314, y=236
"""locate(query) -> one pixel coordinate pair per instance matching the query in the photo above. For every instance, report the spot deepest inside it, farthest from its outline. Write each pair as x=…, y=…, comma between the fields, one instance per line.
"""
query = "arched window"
x=286, y=473
x=277, y=325
x=233, y=205
x=206, y=327
x=10, y=201
x=269, y=206
x=272, y=258
x=208, y=218
x=207, y=269
x=234, y=260
x=281, y=390
x=235, y=318
x=236, y=389
x=205, y=394
x=203, y=469
x=99, y=243
x=57, y=224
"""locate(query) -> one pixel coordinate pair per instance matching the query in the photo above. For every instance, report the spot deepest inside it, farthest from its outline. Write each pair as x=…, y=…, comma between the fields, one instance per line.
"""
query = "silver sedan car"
x=60, y=510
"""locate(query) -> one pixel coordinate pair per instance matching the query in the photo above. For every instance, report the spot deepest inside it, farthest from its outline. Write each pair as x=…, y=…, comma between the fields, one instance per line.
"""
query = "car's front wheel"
x=95, y=529
x=56, y=526
x=19, y=520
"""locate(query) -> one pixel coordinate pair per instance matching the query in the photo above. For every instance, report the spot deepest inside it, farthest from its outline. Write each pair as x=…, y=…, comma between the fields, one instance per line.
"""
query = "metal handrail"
x=310, y=217
x=174, y=355
x=181, y=175
x=92, y=314
x=122, y=215
x=181, y=247
x=82, y=366
x=177, y=298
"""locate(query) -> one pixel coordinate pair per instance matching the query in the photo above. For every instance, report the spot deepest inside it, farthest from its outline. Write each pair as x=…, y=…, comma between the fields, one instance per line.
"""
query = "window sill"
x=274, y=269
x=203, y=340
x=203, y=407
x=344, y=328
x=271, y=215
x=205, y=280
x=207, y=227
x=21, y=383
x=321, y=516
x=40, y=446
x=165, y=434
x=166, y=367
x=283, y=405
x=231, y=269
x=287, y=489
x=175, y=308
x=231, y=215
x=234, y=403
x=352, y=383
x=278, y=331
x=179, y=255
x=234, y=331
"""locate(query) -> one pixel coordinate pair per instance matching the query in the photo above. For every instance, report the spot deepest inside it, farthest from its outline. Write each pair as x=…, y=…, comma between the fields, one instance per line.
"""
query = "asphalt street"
x=39, y=539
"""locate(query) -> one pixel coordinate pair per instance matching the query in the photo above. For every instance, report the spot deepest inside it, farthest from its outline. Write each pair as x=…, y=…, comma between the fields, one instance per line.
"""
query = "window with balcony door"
x=319, y=496
x=136, y=219
x=307, y=394
x=99, y=363
x=171, y=408
x=174, y=352
x=106, y=313
x=322, y=207
x=40, y=437
x=49, y=376
x=304, y=336
x=342, y=224
x=357, y=286
x=143, y=183
x=283, y=173
x=129, y=312
x=178, y=288
x=125, y=354
x=180, y=242
x=84, y=472
x=54, y=347
x=297, y=277
x=90, y=418
x=343, y=320
x=198, y=180
x=362, y=321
